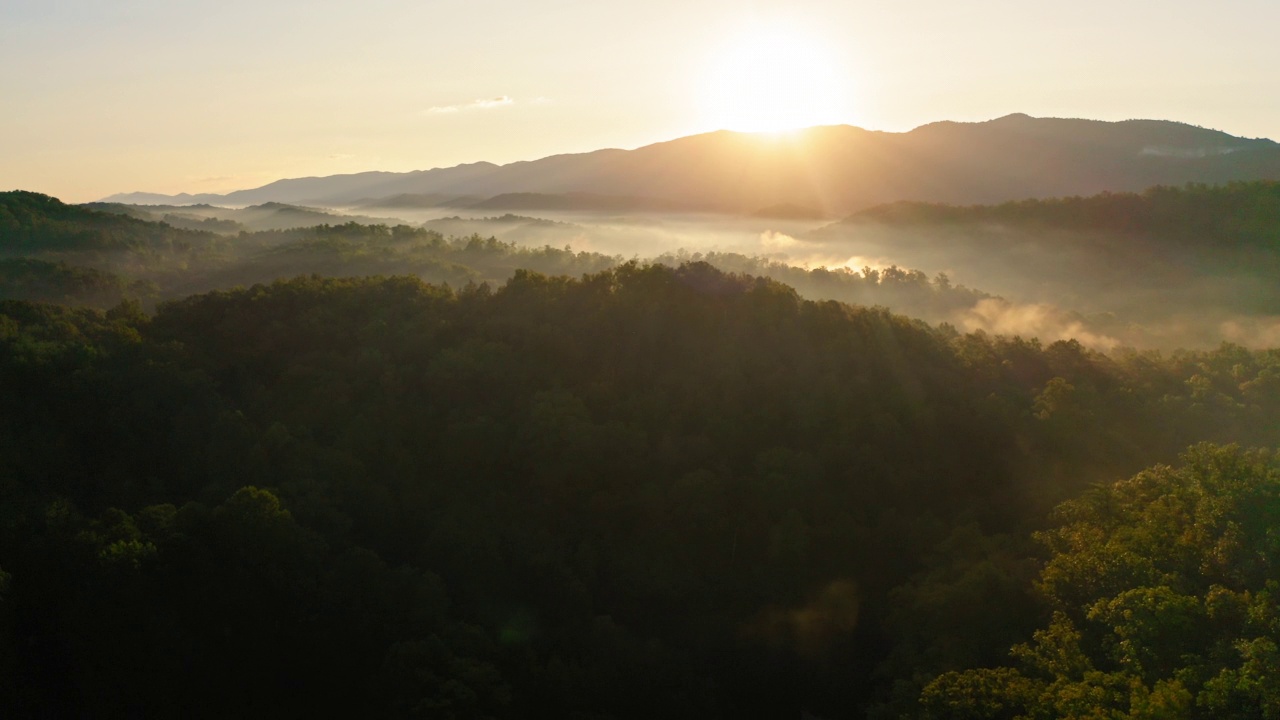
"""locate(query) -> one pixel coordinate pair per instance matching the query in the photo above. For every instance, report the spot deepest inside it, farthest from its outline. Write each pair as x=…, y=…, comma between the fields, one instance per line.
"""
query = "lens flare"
x=774, y=78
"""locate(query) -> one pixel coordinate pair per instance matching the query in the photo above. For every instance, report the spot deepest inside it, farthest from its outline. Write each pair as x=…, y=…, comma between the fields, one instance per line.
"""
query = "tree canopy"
x=1165, y=591
x=649, y=491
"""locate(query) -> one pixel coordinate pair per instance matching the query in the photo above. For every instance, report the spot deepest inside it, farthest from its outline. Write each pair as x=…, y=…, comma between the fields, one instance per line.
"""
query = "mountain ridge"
x=836, y=169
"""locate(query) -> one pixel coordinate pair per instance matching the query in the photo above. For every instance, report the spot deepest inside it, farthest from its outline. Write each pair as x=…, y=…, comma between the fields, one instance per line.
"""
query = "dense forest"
x=1164, y=596
x=648, y=492
x=84, y=255
x=374, y=470
x=1236, y=215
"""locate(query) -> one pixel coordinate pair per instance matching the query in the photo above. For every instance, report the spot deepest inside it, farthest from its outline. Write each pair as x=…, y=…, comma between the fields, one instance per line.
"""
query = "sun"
x=774, y=78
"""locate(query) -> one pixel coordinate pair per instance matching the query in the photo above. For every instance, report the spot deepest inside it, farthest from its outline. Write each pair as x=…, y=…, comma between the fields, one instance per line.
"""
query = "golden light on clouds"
x=481, y=104
x=774, y=77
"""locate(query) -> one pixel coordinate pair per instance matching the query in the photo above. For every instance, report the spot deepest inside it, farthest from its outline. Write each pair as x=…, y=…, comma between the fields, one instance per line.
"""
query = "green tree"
x=1165, y=595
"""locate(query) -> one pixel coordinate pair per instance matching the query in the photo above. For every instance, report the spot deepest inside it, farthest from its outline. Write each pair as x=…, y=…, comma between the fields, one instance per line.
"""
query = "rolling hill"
x=835, y=169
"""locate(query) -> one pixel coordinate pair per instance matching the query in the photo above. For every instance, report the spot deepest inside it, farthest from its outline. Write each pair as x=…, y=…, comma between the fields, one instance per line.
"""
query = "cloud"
x=493, y=102
x=772, y=240
x=481, y=104
x=1001, y=317
x=1256, y=332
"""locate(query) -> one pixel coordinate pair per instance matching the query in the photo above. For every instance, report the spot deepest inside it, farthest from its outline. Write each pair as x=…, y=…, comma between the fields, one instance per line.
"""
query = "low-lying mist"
x=1104, y=289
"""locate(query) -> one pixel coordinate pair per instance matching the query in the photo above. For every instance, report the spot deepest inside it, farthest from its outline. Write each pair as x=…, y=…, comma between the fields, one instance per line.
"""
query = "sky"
x=106, y=96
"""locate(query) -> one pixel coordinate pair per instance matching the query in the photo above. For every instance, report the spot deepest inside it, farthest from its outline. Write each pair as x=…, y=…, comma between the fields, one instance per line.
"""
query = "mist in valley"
x=1104, y=289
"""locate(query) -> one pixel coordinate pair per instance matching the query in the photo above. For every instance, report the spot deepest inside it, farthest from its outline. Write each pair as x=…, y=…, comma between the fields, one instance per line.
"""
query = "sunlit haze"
x=622, y=360
x=775, y=77
x=200, y=96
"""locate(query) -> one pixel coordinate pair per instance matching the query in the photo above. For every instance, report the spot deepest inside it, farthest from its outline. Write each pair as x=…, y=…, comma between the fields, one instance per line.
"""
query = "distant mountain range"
x=204, y=216
x=833, y=170
x=570, y=201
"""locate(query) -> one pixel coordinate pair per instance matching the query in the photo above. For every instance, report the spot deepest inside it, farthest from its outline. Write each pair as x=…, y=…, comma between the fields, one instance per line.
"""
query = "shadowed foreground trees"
x=648, y=492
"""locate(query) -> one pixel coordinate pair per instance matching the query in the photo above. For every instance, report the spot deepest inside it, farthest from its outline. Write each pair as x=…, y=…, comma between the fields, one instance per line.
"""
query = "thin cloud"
x=481, y=104
x=493, y=102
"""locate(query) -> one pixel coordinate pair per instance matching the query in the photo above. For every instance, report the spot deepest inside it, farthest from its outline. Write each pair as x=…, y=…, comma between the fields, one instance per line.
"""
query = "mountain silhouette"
x=834, y=170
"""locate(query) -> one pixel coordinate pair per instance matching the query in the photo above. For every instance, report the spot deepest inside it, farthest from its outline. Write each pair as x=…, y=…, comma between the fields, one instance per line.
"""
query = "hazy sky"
x=104, y=96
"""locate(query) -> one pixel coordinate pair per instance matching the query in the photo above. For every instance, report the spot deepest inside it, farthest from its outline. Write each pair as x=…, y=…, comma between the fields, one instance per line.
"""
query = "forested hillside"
x=648, y=492
x=1233, y=216
x=232, y=221
x=74, y=255
x=31, y=222
x=1167, y=267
